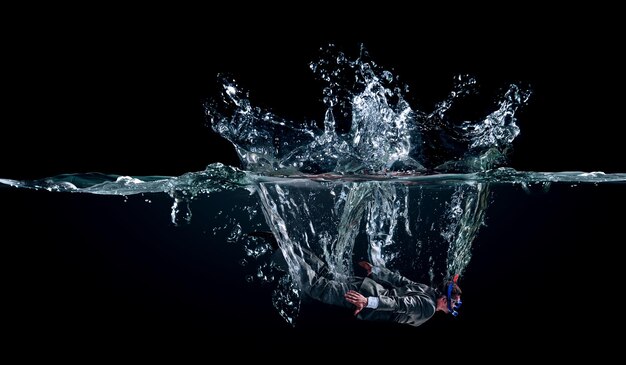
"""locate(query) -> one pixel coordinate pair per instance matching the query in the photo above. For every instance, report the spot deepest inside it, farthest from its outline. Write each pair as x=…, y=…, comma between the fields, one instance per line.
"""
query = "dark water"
x=82, y=268
x=98, y=261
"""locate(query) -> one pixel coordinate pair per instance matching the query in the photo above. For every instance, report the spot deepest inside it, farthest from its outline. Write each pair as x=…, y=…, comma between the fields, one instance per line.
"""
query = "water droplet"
x=387, y=76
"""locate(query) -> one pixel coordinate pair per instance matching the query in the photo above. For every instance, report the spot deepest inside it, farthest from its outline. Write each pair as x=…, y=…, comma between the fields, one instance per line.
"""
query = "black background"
x=122, y=93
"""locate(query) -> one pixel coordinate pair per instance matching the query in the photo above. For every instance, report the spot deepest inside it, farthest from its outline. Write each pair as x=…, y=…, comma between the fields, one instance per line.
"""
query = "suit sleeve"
x=415, y=303
x=395, y=279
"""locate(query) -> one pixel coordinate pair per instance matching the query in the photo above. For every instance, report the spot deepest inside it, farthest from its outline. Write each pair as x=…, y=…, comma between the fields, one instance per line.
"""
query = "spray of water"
x=374, y=177
x=385, y=133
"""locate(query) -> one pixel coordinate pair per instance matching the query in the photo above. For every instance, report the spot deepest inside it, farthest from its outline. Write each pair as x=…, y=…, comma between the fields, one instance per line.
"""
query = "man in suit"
x=381, y=295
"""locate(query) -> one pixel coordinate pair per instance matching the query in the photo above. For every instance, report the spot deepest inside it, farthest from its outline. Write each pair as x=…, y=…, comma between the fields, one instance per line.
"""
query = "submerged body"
x=384, y=296
x=381, y=295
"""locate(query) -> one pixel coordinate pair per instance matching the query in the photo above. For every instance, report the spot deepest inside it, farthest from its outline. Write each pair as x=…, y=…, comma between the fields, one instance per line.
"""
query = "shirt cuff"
x=372, y=302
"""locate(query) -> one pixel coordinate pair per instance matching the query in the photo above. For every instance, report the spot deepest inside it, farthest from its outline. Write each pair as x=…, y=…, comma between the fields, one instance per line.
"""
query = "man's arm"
x=382, y=273
x=417, y=303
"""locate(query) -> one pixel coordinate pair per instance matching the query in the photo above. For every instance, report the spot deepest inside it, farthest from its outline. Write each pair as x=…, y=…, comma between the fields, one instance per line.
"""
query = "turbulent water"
x=373, y=178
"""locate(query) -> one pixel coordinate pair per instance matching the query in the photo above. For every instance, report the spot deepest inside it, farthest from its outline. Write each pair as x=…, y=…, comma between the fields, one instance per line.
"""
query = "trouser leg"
x=311, y=259
x=329, y=291
x=314, y=282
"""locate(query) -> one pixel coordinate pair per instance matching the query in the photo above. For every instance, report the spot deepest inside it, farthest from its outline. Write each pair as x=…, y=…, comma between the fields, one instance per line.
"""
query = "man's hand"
x=367, y=266
x=357, y=299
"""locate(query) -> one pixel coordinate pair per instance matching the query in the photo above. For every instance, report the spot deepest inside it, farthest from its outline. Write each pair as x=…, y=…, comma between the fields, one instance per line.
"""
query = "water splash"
x=422, y=224
x=464, y=216
x=385, y=133
x=375, y=177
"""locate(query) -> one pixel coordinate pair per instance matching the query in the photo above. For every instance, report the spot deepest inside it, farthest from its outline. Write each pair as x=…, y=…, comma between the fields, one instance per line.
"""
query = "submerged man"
x=381, y=295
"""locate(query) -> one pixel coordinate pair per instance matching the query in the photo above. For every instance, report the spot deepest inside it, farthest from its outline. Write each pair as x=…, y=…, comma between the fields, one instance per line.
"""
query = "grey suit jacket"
x=400, y=299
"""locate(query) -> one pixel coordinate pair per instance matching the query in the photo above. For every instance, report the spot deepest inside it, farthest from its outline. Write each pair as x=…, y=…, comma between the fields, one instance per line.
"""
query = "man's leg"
x=312, y=275
x=317, y=264
x=326, y=290
x=314, y=280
